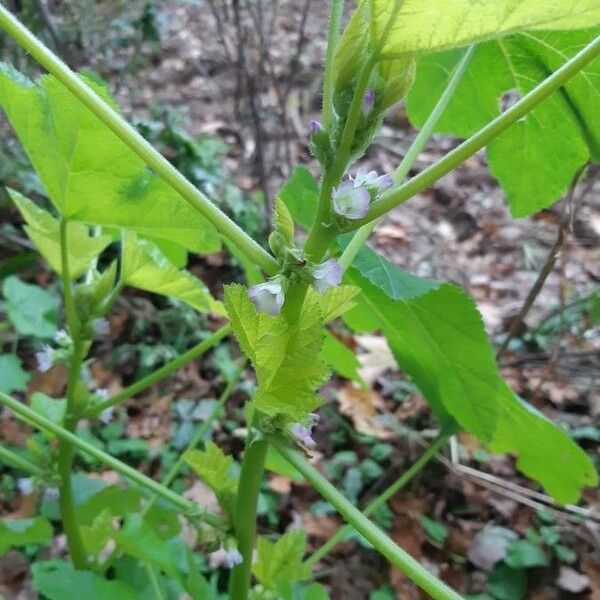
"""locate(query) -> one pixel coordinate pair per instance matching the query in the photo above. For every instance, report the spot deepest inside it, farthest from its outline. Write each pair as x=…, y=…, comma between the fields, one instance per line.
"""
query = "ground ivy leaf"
x=214, y=468
x=30, y=308
x=422, y=26
x=528, y=159
x=287, y=381
x=44, y=231
x=145, y=267
x=545, y=452
x=281, y=561
x=12, y=376
x=59, y=580
x=88, y=172
x=20, y=532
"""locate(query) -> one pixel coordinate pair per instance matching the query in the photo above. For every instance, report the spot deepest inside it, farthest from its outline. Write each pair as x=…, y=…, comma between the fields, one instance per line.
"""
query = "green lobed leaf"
x=213, y=466
x=281, y=561
x=59, y=580
x=422, y=26
x=145, y=267
x=301, y=194
x=30, y=308
x=44, y=231
x=88, y=172
x=20, y=532
x=287, y=381
x=528, y=159
x=12, y=376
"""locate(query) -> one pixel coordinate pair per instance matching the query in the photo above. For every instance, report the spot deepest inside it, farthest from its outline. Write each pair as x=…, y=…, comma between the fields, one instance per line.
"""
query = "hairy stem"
x=437, y=589
x=413, y=470
x=37, y=420
x=244, y=517
x=476, y=142
x=128, y=135
x=165, y=370
x=361, y=236
x=335, y=20
x=65, y=449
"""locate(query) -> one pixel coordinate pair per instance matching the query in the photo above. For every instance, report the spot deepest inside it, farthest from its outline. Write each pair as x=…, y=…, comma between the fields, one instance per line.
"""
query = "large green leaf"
x=287, y=380
x=12, y=376
x=44, y=231
x=545, y=452
x=438, y=338
x=145, y=267
x=529, y=159
x=422, y=26
x=20, y=532
x=59, y=580
x=88, y=172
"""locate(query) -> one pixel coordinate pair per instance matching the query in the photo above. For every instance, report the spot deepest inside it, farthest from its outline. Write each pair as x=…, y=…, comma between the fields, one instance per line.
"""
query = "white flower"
x=45, y=358
x=225, y=558
x=267, y=297
x=25, y=485
x=51, y=494
x=106, y=416
x=327, y=275
x=371, y=179
x=303, y=435
x=101, y=326
x=62, y=338
x=350, y=201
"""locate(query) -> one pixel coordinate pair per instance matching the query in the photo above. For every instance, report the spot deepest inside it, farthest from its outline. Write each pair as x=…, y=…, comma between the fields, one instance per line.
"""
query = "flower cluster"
x=351, y=199
x=225, y=558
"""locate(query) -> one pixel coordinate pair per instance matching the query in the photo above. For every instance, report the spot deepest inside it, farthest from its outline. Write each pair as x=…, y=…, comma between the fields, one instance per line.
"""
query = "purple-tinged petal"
x=327, y=275
x=351, y=202
x=303, y=435
x=368, y=101
x=315, y=126
x=267, y=297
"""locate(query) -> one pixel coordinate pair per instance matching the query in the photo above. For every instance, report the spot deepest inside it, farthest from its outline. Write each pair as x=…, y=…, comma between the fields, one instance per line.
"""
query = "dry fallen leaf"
x=376, y=359
x=362, y=406
x=572, y=581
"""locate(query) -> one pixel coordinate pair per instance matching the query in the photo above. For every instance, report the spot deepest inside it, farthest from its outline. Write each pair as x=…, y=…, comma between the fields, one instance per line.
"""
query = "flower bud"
x=350, y=201
x=315, y=127
x=368, y=101
x=267, y=297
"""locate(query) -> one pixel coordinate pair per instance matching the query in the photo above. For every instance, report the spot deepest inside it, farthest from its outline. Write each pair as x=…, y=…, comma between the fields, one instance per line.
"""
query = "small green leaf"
x=506, y=583
x=44, y=231
x=335, y=302
x=20, y=532
x=53, y=409
x=564, y=554
x=281, y=561
x=31, y=309
x=284, y=224
x=145, y=267
x=214, y=468
x=437, y=531
x=59, y=580
x=287, y=381
x=12, y=376
x=524, y=554
x=301, y=194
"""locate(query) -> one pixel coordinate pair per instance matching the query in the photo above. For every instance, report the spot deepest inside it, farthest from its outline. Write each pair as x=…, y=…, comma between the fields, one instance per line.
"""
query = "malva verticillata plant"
x=458, y=62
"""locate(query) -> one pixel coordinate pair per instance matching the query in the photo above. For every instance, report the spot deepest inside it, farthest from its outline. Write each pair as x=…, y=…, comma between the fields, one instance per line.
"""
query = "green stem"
x=476, y=142
x=11, y=458
x=164, y=371
x=135, y=141
x=39, y=421
x=154, y=583
x=362, y=235
x=373, y=506
x=437, y=589
x=335, y=20
x=66, y=452
x=244, y=517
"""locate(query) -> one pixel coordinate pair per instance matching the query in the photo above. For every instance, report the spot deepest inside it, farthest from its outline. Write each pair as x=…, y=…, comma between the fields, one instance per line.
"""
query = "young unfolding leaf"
x=214, y=468
x=529, y=158
x=89, y=173
x=412, y=27
x=145, y=267
x=59, y=580
x=438, y=338
x=281, y=562
x=44, y=231
x=287, y=380
x=20, y=532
